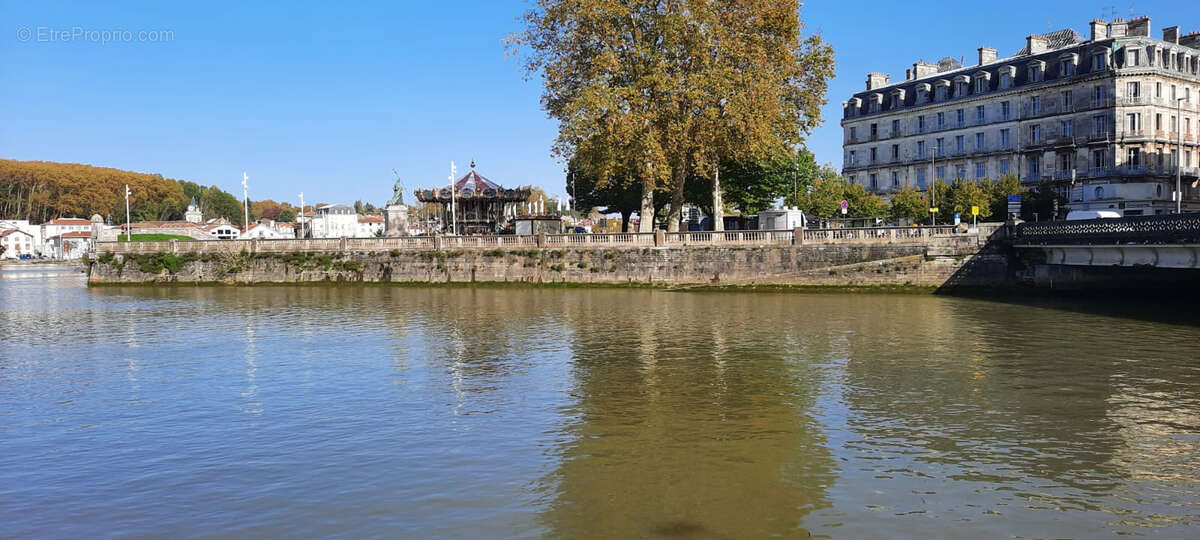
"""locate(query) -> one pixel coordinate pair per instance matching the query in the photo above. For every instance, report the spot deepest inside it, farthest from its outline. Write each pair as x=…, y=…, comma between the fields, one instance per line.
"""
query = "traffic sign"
x=974, y=210
x=933, y=210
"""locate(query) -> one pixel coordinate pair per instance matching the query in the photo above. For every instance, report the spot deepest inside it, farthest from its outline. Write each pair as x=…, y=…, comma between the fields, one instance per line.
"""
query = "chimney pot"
x=1036, y=44
x=1117, y=28
x=877, y=80
x=1099, y=29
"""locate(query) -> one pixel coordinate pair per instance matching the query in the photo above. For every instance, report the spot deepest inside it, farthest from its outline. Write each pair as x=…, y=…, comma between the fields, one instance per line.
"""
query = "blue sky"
x=329, y=97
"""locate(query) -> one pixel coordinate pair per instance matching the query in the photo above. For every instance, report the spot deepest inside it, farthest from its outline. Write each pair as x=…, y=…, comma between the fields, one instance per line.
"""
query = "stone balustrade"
x=750, y=238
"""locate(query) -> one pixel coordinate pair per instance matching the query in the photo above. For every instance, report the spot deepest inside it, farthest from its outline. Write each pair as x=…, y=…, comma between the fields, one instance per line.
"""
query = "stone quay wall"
x=928, y=262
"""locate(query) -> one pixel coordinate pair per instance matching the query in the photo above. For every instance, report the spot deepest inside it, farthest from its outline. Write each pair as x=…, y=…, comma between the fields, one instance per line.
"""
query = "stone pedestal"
x=395, y=219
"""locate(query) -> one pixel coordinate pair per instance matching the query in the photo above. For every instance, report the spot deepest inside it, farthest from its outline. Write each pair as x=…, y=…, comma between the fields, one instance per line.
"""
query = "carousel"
x=473, y=204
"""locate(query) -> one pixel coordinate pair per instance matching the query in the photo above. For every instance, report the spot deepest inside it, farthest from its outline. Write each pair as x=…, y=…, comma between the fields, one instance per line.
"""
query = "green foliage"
x=963, y=194
x=41, y=190
x=827, y=192
x=911, y=205
x=494, y=253
x=286, y=215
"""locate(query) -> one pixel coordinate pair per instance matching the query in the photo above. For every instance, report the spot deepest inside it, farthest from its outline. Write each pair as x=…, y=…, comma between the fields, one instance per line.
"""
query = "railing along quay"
x=865, y=235
x=1162, y=229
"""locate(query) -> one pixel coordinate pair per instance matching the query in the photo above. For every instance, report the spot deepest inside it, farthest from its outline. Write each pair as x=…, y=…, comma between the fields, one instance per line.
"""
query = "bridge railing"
x=1162, y=229
x=867, y=235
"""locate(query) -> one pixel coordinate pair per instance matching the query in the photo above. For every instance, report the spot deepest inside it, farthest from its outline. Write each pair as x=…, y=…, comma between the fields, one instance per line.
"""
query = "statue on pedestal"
x=395, y=214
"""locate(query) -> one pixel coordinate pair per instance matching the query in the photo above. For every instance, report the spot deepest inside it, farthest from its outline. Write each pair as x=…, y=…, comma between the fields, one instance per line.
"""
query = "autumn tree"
x=673, y=88
x=613, y=194
x=963, y=194
x=911, y=205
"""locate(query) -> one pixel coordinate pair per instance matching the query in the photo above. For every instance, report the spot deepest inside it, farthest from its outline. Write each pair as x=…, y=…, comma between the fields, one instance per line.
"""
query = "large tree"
x=673, y=87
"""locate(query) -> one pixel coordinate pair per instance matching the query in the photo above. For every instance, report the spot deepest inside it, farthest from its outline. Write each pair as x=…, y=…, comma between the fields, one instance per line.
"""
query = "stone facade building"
x=1097, y=116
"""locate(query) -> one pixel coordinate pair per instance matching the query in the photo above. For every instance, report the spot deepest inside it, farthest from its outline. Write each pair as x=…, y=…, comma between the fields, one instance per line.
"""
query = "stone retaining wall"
x=893, y=264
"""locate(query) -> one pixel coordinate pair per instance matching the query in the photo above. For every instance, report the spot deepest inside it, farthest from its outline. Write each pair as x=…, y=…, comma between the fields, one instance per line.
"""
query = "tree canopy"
x=666, y=91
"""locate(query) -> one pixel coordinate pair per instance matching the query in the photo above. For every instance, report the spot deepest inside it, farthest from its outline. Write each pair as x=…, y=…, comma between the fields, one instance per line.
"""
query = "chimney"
x=1099, y=29
x=1036, y=44
x=1117, y=28
x=877, y=80
x=1171, y=34
x=987, y=55
x=1139, y=27
x=908, y=74
x=1190, y=40
x=922, y=69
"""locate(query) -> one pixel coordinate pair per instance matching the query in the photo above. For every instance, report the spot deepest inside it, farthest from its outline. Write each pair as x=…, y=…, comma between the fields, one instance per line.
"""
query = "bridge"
x=1164, y=241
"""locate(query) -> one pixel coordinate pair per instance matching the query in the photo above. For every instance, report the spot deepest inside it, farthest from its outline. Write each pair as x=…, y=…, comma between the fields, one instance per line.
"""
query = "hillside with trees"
x=42, y=190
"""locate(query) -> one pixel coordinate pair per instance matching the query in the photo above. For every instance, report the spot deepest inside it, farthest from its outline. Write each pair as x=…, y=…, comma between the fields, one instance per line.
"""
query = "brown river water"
x=377, y=411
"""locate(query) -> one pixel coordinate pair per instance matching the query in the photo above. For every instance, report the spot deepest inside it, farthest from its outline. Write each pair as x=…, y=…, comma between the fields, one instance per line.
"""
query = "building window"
x=1035, y=167
x=980, y=85
x=1134, y=57
x=941, y=93
x=1035, y=105
x=1035, y=134
x=1065, y=128
x=941, y=120
x=1099, y=193
x=960, y=171
x=1098, y=62
x=1133, y=158
x=979, y=141
x=853, y=158
x=895, y=179
x=895, y=128
x=1005, y=138
x=920, y=148
x=895, y=152
x=941, y=147
x=1035, y=74
x=1100, y=125
x=1133, y=90
x=979, y=114
x=851, y=179
x=1067, y=68
x=1067, y=102
x=874, y=181
x=1098, y=95
x=1098, y=159
x=941, y=173
x=921, y=178
x=874, y=155
x=874, y=131
x=958, y=114
x=1005, y=110
x=980, y=170
x=1005, y=166
x=960, y=89
x=853, y=134
x=1133, y=122
x=959, y=144
x=1005, y=80
x=1064, y=162
x=920, y=124
x=1158, y=89
x=1158, y=122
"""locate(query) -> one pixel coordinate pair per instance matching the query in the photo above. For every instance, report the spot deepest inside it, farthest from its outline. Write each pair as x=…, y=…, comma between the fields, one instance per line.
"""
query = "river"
x=456, y=412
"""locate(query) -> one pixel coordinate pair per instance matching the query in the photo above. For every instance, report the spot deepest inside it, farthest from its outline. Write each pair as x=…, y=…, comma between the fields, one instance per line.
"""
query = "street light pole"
x=933, y=185
x=453, y=214
x=301, y=216
x=128, y=226
x=1179, y=156
x=245, y=203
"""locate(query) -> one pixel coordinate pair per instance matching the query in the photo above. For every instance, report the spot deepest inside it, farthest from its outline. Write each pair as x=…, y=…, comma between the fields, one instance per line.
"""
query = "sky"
x=329, y=97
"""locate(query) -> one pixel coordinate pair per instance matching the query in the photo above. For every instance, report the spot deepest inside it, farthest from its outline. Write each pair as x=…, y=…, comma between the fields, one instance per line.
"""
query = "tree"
x=911, y=205
x=286, y=216
x=963, y=194
x=671, y=89
x=1043, y=202
x=1008, y=185
x=614, y=194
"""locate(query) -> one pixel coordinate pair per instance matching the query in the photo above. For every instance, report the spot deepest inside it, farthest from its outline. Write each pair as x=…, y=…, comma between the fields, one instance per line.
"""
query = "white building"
x=17, y=243
x=781, y=219
x=267, y=229
x=369, y=226
x=223, y=231
x=60, y=226
x=34, y=231
x=69, y=245
x=334, y=221
x=193, y=213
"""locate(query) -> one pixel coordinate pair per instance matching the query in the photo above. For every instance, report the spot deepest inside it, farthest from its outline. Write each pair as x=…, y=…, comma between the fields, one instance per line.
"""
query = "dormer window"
x=1066, y=65
x=941, y=93
x=1007, y=74
x=980, y=86
x=1099, y=61
x=942, y=90
x=961, y=89
x=1036, y=71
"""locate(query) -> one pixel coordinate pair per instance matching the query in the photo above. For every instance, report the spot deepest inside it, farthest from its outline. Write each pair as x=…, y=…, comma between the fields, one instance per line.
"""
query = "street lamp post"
x=453, y=213
x=245, y=203
x=1179, y=155
x=300, y=223
x=933, y=186
x=128, y=226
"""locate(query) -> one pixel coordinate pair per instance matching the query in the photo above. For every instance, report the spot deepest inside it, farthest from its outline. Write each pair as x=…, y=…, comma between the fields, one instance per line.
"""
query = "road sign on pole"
x=845, y=206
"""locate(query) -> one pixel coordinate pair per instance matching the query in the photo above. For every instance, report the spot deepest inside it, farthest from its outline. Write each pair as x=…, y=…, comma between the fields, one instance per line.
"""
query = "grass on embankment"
x=156, y=238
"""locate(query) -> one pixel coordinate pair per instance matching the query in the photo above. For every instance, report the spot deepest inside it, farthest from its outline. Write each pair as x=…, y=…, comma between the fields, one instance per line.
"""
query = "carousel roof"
x=476, y=182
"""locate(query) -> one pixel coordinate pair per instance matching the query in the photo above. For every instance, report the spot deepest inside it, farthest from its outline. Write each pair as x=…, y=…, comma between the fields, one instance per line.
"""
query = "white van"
x=1092, y=214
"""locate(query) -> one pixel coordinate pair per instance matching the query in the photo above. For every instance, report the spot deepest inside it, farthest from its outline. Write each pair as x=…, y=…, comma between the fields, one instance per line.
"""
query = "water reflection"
x=458, y=412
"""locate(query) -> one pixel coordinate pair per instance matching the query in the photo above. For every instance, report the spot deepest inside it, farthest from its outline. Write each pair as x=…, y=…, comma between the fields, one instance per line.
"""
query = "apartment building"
x=1107, y=118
